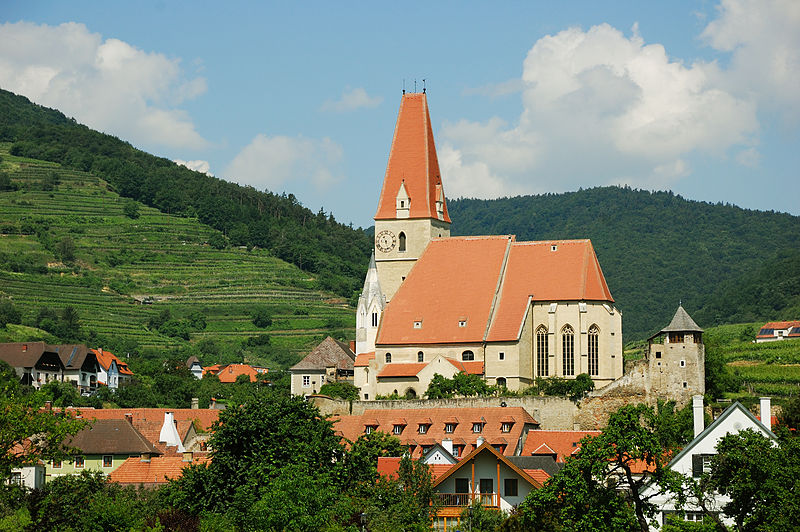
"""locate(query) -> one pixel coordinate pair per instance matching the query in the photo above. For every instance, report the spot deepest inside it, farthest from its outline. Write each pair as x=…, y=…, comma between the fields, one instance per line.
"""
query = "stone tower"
x=676, y=359
x=412, y=209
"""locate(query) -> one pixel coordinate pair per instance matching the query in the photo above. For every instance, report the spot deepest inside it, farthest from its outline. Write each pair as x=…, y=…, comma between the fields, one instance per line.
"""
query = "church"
x=492, y=306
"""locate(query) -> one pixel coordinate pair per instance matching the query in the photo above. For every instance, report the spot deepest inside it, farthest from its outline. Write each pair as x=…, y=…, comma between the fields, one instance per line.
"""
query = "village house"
x=517, y=310
x=113, y=372
x=330, y=361
x=695, y=458
x=36, y=363
x=778, y=330
x=230, y=372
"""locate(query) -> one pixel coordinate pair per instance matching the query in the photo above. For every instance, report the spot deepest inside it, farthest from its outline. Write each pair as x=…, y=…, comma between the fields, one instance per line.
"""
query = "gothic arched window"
x=542, y=348
x=568, y=350
x=401, y=242
x=467, y=355
x=420, y=357
x=388, y=358
x=594, y=350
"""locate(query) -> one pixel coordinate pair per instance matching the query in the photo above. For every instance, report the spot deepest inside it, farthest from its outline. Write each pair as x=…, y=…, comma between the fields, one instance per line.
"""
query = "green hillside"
x=65, y=240
x=335, y=253
x=657, y=249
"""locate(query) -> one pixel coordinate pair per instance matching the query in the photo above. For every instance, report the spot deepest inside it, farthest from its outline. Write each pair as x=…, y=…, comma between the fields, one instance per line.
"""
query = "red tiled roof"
x=780, y=324
x=412, y=163
x=389, y=466
x=362, y=359
x=534, y=270
x=156, y=471
x=444, y=298
x=352, y=427
x=470, y=367
x=561, y=442
x=402, y=369
x=486, y=447
x=104, y=358
x=540, y=475
x=230, y=372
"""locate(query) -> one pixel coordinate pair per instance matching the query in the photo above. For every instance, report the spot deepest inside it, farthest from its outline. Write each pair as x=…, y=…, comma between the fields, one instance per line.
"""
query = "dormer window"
x=554, y=248
x=477, y=427
x=462, y=322
x=368, y=429
x=397, y=430
x=449, y=427
x=423, y=428
x=418, y=324
x=505, y=426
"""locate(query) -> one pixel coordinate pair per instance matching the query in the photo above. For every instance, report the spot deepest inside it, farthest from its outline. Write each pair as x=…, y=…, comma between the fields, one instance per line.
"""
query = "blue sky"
x=702, y=98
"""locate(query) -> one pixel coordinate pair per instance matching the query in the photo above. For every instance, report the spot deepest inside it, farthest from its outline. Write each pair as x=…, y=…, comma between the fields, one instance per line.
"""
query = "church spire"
x=413, y=164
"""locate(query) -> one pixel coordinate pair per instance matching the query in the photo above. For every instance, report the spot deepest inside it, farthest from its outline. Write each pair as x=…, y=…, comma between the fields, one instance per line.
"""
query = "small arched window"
x=401, y=242
x=501, y=381
x=568, y=350
x=388, y=358
x=420, y=357
x=467, y=356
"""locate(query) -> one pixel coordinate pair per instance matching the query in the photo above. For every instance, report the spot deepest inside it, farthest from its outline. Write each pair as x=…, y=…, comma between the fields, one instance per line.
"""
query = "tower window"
x=388, y=358
x=501, y=355
x=374, y=319
x=402, y=204
x=568, y=350
x=420, y=357
x=401, y=242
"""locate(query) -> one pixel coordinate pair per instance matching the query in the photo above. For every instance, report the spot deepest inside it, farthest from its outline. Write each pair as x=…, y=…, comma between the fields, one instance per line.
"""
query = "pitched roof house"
x=459, y=429
x=36, y=363
x=330, y=361
x=113, y=371
x=154, y=472
x=230, y=372
x=695, y=458
x=778, y=330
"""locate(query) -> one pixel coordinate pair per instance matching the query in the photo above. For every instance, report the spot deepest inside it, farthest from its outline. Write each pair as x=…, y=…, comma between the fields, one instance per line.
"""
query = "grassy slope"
x=156, y=256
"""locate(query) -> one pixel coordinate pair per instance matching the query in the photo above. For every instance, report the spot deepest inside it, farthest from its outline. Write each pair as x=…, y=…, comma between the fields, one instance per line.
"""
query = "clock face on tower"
x=385, y=241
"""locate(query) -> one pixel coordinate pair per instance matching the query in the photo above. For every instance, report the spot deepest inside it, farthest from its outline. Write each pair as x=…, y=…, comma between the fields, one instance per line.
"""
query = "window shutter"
x=697, y=465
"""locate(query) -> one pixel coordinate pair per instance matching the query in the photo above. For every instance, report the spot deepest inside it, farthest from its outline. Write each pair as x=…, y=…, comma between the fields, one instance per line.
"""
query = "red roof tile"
x=156, y=471
x=230, y=372
x=104, y=358
x=412, y=163
x=389, y=466
x=538, y=474
x=353, y=426
x=362, y=359
x=561, y=442
x=442, y=297
x=401, y=369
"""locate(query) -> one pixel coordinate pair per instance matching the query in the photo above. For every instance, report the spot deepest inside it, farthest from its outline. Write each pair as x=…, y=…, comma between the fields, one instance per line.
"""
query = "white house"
x=695, y=458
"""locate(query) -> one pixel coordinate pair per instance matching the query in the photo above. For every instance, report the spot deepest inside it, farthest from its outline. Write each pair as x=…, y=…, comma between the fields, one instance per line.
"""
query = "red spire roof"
x=413, y=163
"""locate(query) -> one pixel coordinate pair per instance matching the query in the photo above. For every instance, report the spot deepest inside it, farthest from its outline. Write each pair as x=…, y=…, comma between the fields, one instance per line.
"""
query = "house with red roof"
x=230, y=372
x=778, y=330
x=155, y=471
x=459, y=430
x=513, y=311
x=113, y=372
x=330, y=361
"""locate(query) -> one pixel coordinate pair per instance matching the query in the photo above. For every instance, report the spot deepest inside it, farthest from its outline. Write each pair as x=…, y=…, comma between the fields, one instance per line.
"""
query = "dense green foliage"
x=248, y=217
x=656, y=249
x=462, y=385
x=342, y=390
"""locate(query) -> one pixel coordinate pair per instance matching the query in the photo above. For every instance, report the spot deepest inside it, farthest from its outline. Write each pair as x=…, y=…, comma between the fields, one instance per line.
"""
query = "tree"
x=8, y=313
x=362, y=459
x=343, y=389
x=131, y=209
x=261, y=317
x=65, y=249
x=790, y=413
x=27, y=432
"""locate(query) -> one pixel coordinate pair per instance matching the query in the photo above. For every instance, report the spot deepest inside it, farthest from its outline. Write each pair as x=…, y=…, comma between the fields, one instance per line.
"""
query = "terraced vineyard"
x=127, y=270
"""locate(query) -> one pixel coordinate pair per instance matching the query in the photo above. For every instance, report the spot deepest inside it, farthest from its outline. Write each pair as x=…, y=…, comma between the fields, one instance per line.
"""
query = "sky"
x=698, y=97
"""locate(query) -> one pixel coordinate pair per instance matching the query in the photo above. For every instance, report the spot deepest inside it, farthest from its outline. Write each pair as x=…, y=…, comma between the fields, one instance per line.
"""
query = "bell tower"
x=412, y=209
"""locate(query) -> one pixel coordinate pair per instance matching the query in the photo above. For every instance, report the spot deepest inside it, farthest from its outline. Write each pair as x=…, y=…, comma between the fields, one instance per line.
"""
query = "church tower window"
x=388, y=358
x=594, y=351
x=374, y=319
x=420, y=357
x=568, y=350
x=401, y=242
x=542, y=347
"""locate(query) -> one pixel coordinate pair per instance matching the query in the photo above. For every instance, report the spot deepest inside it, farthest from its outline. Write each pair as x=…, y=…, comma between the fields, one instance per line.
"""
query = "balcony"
x=488, y=500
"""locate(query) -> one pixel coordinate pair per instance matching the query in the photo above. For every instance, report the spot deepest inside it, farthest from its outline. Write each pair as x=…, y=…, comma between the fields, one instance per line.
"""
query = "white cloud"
x=272, y=162
x=601, y=108
x=351, y=100
x=107, y=84
x=764, y=39
x=197, y=166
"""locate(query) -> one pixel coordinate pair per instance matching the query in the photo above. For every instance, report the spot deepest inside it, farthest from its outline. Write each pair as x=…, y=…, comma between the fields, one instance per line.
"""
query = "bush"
x=343, y=390
x=8, y=313
x=261, y=318
x=131, y=209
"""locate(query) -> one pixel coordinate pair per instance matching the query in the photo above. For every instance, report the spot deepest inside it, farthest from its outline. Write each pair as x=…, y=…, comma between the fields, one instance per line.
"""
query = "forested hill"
x=657, y=249
x=315, y=242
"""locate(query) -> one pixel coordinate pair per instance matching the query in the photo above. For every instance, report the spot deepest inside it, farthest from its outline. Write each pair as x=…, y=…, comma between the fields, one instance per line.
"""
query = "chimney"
x=188, y=456
x=353, y=346
x=169, y=433
x=448, y=445
x=697, y=410
x=129, y=418
x=766, y=413
x=195, y=403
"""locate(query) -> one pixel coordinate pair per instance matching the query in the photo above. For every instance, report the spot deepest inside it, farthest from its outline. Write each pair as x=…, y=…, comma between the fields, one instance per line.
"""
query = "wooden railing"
x=465, y=499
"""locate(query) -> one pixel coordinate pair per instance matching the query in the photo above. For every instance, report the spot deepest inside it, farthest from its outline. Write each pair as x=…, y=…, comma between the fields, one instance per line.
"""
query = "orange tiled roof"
x=471, y=367
x=486, y=448
x=457, y=305
x=561, y=442
x=412, y=163
x=362, y=359
x=351, y=427
x=389, y=466
x=156, y=471
x=441, y=296
x=540, y=475
x=104, y=358
x=230, y=372
x=399, y=369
